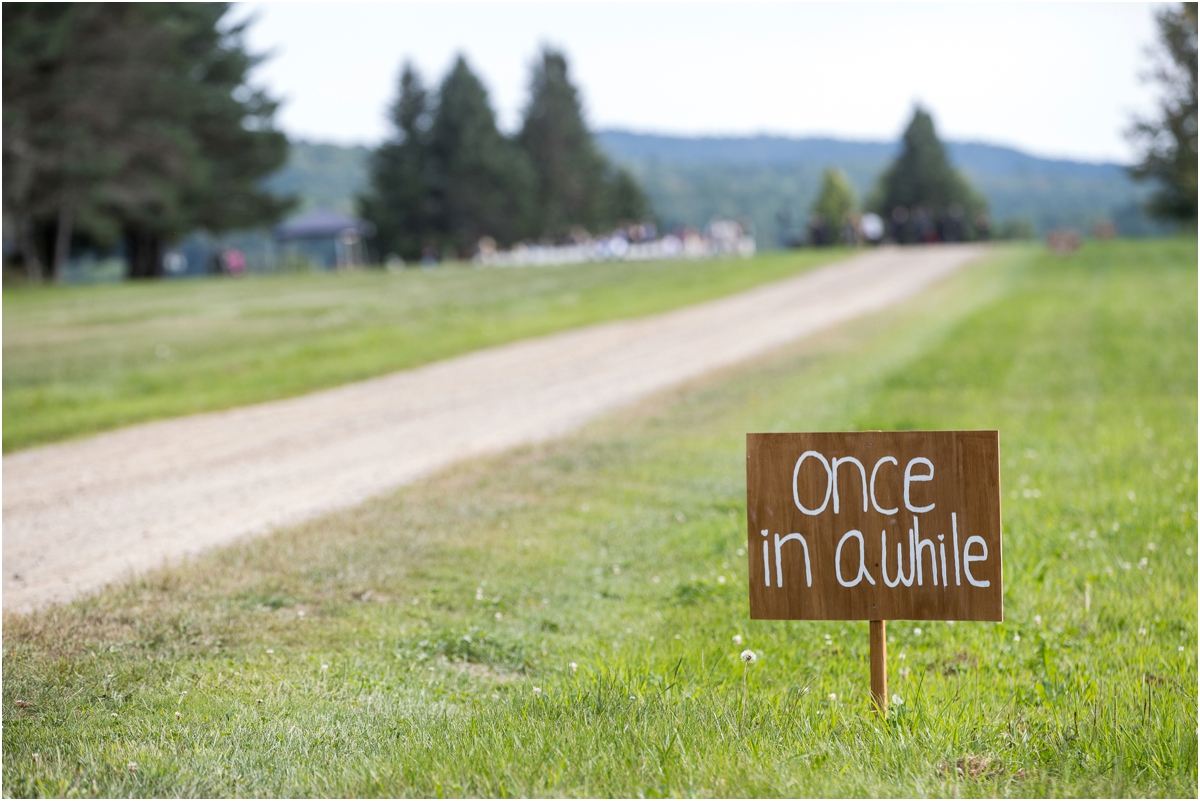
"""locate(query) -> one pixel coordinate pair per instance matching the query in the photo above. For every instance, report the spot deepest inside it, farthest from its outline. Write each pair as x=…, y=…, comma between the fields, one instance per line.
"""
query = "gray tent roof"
x=320, y=224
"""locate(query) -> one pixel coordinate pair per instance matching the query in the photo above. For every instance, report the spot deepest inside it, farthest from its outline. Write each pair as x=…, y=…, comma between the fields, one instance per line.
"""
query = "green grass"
x=84, y=359
x=423, y=643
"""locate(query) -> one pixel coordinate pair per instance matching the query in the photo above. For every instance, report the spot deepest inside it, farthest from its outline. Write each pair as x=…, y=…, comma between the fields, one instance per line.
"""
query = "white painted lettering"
x=874, y=501
x=862, y=472
x=910, y=478
x=779, y=558
x=954, y=526
x=796, y=479
x=921, y=545
x=862, y=559
x=968, y=559
x=900, y=577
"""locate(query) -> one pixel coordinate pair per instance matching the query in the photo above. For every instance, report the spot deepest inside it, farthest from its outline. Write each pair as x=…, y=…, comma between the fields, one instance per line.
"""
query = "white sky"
x=1052, y=79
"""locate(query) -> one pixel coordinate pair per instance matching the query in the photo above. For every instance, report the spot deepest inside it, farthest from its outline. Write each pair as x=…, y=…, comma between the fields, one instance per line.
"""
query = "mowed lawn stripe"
x=561, y=620
x=84, y=359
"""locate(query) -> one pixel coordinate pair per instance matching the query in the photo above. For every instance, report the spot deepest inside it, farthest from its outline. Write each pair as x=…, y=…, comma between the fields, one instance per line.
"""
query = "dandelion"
x=300, y=613
x=1016, y=638
x=897, y=700
x=720, y=579
x=918, y=632
x=737, y=639
x=495, y=696
x=1181, y=649
x=270, y=650
x=1142, y=563
x=1151, y=547
x=616, y=570
x=113, y=714
x=741, y=551
x=656, y=579
x=1037, y=619
x=1141, y=632
x=748, y=658
x=678, y=637
x=499, y=616
x=479, y=593
x=574, y=666
x=324, y=667
x=37, y=757
x=178, y=714
x=833, y=696
x=537, y=692
x=904, y=673
x=132, y=767
x=903, y=655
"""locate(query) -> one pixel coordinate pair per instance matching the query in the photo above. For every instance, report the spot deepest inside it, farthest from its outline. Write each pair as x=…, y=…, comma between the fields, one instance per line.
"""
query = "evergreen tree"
x=131, y=120
x=481, y=183
x=398, y=201
x=1170, y=142
x=921, y=186
x=571, y=172
x=835, y=202
x=576, y=185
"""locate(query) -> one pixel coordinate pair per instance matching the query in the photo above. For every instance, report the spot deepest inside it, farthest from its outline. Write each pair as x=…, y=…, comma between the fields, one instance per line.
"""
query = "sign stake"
x=879, y=667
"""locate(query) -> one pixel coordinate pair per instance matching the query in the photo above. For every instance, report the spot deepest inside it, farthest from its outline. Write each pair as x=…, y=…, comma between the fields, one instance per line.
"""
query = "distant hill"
x=768, y=180
x=322, y=176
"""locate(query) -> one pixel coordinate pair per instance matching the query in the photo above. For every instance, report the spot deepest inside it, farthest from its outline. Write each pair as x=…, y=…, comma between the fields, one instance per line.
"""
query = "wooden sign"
x=896, y=525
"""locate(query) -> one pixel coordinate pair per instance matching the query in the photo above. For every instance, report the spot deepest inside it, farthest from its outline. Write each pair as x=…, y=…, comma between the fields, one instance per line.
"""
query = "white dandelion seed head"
x=737, y=639
x=904, y=673
x=499, y=616
x=324, y=667
x=1151, y=547
x=574, y=666
x=749, y=657
x=1141, y=632
x=833, y=696
x=720, y=579
x=1016, y=638
x=537, y=691
x=270, y=650
x=897, y=700
x=1037, y=619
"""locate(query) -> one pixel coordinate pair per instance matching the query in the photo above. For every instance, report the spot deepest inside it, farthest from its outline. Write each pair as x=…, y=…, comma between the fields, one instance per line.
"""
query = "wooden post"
x=879, y=691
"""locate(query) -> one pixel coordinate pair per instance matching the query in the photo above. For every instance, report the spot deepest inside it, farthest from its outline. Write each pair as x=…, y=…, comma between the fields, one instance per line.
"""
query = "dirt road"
x=79, y=515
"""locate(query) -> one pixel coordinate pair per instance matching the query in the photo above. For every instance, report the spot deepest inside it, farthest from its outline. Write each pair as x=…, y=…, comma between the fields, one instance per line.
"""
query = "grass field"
x=559, y=621
x=85, y=359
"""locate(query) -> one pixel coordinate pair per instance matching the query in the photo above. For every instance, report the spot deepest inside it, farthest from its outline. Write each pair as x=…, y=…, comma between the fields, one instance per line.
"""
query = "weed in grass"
x=1073, y=359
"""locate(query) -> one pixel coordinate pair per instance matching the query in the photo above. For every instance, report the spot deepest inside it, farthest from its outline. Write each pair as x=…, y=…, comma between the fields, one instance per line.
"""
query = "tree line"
x=131, y=123
x=448, y=177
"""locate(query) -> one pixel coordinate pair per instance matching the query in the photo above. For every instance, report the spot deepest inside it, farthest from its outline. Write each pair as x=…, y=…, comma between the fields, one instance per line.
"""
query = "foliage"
x=394, y=649
x=448, y=177
x=131, y=121
x=576, y=184
x=1169, y=143
x=84, y=359
x=835, y=202
x=922, y=180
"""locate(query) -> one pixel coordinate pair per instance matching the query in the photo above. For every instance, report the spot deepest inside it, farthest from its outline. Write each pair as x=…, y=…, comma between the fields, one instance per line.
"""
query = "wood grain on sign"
x=822, y=505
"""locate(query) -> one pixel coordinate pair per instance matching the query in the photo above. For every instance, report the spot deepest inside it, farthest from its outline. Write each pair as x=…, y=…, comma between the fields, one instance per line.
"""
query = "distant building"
x=324, y=239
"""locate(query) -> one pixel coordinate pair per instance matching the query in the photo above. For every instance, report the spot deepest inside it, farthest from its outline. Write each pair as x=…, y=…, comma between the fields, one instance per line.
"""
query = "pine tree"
x=576, y=184
x=481, y=184
x=131, y=120
x=835, y=202
x=1169, y=143
x=921, y=186
x=570, y=170
x=398, y=201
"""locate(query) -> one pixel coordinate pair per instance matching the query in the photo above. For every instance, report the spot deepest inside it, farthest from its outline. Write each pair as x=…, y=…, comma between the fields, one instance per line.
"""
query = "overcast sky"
x=1055, y=80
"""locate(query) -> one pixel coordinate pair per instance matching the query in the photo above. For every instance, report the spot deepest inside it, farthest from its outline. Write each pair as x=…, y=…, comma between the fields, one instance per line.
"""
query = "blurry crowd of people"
x=905, y=226
x=636, y=242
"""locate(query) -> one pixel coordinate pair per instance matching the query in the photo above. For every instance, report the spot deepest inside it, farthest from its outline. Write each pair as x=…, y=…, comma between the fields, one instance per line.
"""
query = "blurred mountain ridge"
x=771, y=181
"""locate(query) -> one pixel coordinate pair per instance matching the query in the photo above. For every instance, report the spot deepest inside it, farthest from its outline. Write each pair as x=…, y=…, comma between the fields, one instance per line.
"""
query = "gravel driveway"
x=78, y=515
